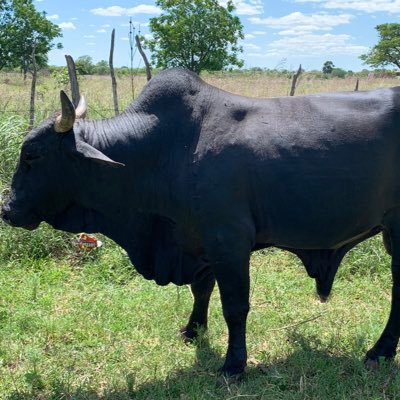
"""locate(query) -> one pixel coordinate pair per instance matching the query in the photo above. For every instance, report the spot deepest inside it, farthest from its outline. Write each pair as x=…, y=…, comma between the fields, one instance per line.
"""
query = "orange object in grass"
x=88, y=242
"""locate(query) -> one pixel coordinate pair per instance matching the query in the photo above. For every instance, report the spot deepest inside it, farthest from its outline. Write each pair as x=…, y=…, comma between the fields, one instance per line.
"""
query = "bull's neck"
x=103, y=134
x=137, y=141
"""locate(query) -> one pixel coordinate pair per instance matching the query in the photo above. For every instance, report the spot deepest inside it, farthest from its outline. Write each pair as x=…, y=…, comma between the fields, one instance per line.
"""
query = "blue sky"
x=279, y=33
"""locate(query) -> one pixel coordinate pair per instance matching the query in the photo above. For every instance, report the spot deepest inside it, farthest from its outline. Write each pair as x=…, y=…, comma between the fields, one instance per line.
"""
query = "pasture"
x=77, y=325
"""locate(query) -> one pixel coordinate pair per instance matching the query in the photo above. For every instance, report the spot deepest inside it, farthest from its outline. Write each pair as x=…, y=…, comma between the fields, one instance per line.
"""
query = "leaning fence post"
x=33, y=88
x=113, y=80
x=142, y=53
x=73, y=80
x=294, y=81
x=357, y=84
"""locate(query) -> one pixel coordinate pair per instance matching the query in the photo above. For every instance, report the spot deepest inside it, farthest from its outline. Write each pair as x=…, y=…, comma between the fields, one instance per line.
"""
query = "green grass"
x=86, y=326
x=97, y=330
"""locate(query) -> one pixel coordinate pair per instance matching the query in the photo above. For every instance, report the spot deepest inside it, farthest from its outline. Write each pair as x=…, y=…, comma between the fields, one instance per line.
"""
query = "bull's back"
x=315, y=171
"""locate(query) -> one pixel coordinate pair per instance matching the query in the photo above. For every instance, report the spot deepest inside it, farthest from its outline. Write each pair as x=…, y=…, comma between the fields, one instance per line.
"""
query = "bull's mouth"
x=12, y=219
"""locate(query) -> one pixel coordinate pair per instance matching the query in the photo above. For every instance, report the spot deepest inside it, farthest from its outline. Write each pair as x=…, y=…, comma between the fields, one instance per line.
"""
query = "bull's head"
x=53, y=157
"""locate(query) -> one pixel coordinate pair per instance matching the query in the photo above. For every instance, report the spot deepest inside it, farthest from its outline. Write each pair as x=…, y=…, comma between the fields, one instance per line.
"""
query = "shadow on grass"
x=305, y=373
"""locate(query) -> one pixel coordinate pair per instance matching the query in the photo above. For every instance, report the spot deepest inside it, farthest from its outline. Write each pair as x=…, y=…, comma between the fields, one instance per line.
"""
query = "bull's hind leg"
x=387, y=343
x=201, y=291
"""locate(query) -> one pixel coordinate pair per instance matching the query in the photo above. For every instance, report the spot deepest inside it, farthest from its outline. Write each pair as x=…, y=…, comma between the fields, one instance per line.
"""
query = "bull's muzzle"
x=14, y=219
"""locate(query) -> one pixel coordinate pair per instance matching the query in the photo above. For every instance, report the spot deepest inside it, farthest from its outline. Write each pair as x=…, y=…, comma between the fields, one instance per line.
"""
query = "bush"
x=338, y=73
x=61, y=77
x=11, y=138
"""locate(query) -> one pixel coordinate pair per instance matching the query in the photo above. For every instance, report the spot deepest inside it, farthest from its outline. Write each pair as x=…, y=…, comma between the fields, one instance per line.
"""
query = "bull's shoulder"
x=169, y=87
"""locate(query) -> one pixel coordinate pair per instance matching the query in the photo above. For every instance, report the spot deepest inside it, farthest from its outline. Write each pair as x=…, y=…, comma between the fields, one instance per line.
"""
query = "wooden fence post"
x=33, y=88
x=113, y=80
x=294, y=81
x=142, y=53
x=73, y=80
x=357, y=85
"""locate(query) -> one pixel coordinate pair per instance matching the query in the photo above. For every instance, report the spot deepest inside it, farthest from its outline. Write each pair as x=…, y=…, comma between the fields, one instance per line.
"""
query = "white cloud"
x=251, y=46
x=67, y=25
x=53, y=17
x=101, y=31
x=249, y=36
x=117, y=11
x=303, y=22
x=314, y=45
x=243, y=7
x=260, y=33
x=106, y=26
x=74, y=18
x=369, y=6
x=125, y=38
x=91, y=44
x=89, y=36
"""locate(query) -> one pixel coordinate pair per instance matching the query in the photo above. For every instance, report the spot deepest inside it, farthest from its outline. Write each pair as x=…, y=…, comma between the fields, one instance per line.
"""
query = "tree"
x=25, y=33
x=338, y=73
x=328, y=67
x=196, y=34
x=102, y=68
x=387, y=51
x=84, y=65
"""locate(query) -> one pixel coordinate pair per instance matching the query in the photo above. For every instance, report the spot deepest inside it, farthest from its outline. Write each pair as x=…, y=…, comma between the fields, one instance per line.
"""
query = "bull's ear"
x=87, y=151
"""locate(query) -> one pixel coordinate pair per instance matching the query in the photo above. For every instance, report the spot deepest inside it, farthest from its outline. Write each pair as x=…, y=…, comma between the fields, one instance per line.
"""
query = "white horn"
x=65, y=121
x=81, y=108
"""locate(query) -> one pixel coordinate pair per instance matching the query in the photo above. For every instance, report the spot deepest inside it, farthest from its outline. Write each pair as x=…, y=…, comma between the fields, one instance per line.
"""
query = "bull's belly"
x=303, y=239
x=319, y=230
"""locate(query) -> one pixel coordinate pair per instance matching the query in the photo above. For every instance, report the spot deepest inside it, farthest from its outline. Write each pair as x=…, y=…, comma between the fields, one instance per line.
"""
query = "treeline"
x=85, y=66
x=312, y=74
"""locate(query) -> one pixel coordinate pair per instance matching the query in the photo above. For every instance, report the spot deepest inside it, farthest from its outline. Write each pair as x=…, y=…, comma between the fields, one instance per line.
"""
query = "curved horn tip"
x=65, y=121
x=81, y=109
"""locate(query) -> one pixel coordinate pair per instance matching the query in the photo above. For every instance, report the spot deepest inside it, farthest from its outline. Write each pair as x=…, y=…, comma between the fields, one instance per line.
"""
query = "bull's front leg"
x=201, y=291
x=387, y=343
x=229, y=256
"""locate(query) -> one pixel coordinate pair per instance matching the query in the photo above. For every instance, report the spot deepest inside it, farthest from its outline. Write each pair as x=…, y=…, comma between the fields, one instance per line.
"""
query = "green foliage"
x=338, y=73
x=102, y=68
x=24, y=31
x=84, y=65
x=61, y=76
x=387, y=51
x=11, y=138
x=196, y=34
x=327, y=68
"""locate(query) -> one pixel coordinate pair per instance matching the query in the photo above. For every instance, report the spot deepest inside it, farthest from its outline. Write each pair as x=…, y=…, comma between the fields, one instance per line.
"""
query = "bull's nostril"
x=4, y=214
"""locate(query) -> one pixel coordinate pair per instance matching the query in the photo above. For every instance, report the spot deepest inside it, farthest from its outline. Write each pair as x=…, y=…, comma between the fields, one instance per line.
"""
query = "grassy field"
x=86, y=326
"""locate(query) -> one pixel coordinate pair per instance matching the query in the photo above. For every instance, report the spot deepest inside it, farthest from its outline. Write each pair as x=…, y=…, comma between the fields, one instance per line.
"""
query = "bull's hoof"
x=373, y=359
x=188, y=335
x=371, y=364
x=225, y=380
x=322, y=298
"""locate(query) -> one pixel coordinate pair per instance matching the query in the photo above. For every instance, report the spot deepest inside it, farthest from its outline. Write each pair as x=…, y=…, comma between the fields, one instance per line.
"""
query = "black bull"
x=190, y=179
